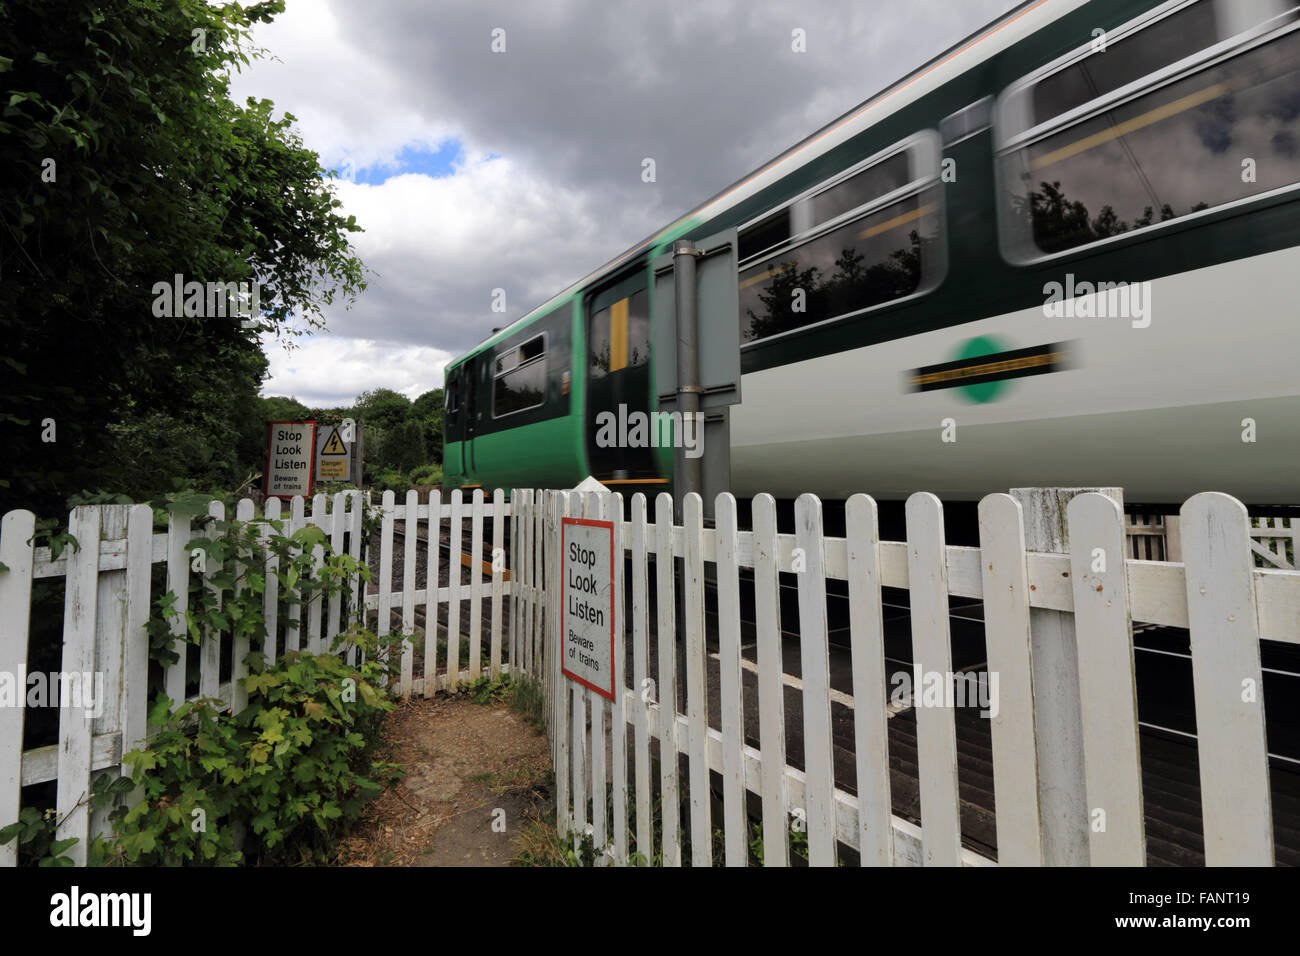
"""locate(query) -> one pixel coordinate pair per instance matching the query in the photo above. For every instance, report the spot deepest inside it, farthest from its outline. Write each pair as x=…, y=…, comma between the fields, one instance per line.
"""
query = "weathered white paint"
x=819, y=765
x=498, y=578
x=697, y=707
x=771, y=689
x=16, y=530
x=1007, y=642
x=870, y=689
x=1107, y=682
x=1235, y=802
x=936, y=732
x=665, y=727
x=735, y=830
x=75, y=727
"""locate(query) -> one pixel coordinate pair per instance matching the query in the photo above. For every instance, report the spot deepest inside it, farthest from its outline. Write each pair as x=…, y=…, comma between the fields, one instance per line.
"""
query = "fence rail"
x=1083, y=600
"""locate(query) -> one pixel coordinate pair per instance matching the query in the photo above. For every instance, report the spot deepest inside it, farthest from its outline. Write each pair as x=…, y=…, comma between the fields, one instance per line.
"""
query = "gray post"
x=1058, y=715
x=688, y=364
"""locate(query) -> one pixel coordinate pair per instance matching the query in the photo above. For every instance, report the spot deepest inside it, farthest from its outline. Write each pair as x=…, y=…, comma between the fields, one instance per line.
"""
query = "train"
x=1064, y=252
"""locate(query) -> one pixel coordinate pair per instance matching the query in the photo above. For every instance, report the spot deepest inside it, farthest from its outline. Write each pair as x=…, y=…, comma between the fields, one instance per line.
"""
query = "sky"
x=472, y=170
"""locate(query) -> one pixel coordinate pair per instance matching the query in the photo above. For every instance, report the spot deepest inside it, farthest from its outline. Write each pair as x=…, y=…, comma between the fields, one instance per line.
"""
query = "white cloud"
x=439, y=246
x=349, y=105
x=324, y=371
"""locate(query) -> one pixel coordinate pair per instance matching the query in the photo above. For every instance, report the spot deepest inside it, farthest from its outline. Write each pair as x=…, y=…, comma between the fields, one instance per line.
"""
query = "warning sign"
x=334, y=445
x=289, y=448
x=587, y=608
x=333, y=455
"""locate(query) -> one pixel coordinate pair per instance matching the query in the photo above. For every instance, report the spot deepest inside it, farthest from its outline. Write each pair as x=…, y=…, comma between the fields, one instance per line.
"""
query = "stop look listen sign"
x=587, y=604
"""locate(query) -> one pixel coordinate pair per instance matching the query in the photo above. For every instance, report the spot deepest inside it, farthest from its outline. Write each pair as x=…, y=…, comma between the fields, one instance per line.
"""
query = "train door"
x=473, y=412
x=618, y=383
x=455, y=463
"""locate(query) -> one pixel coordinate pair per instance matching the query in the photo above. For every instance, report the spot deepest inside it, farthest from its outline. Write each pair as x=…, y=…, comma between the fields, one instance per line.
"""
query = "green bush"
x=392, y=480
x=427, y=475
x=284, y=777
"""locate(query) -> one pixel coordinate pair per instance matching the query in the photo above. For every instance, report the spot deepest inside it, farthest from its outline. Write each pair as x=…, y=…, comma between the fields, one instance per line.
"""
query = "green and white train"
x=1065, y=252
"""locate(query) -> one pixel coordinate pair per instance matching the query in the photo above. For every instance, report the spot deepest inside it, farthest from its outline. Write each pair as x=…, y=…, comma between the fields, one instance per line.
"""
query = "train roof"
x=1017, y=23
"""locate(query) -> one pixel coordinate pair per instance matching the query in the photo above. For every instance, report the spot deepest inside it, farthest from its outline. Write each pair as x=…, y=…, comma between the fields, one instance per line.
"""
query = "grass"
x=540, y=843
x=525, y=697
x=518, y=778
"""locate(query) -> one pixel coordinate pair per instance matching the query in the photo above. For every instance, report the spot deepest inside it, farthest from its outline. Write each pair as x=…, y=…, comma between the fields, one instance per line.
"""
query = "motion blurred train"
x=1062, y=253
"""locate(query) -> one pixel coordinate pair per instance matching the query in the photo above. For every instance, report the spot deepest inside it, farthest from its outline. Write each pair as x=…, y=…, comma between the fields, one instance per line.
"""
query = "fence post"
x=111, y=637
x=18, y=555
x=1058, y=720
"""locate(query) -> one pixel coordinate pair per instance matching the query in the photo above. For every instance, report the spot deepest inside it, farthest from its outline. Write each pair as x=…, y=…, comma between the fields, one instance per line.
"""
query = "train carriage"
x=1064, y=252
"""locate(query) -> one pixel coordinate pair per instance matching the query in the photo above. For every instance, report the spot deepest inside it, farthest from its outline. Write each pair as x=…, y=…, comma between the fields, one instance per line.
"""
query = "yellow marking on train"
x=618, y=335
x=1138, y=122
x=634, y=481
x=876, y=230
x=897, y=221
x=989, y=368
x=763, y=276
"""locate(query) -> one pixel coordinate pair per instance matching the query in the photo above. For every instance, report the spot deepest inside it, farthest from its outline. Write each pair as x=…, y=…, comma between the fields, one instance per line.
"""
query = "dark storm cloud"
x=586, y=90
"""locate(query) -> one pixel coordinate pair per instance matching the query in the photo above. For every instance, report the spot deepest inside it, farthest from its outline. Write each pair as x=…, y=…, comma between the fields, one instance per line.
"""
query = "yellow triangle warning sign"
x=334, y=445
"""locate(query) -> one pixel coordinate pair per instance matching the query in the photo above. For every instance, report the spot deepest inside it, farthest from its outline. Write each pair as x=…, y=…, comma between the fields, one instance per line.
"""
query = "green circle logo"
x=973, y=348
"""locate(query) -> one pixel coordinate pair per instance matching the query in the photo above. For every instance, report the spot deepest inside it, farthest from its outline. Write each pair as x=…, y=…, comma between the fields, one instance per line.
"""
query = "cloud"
x=522, y=170
x=327, y=370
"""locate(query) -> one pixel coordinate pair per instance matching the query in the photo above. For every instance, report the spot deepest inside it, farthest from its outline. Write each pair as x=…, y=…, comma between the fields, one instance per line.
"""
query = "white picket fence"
x=1156, y=537
x=107, y=600
x=1058, y=633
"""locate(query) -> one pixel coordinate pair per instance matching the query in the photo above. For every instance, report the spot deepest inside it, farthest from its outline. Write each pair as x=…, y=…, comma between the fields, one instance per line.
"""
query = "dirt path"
x=474, y=774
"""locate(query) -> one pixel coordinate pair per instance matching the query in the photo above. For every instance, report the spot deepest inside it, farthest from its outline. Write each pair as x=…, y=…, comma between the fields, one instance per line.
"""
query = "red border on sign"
x=609, y=526
x=311, y=471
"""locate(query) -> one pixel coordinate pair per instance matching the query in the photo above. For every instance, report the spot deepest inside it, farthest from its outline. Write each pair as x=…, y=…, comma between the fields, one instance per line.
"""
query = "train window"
x=598, y=345
x=533, y=348
x=521, y=380
x=1230, y=121
x=452, y=396
x=638, y=328
x=871, y=234
x=763, y=235
x=967, y=121
x=860, y=188
x=620, y=335
x=1166, y=41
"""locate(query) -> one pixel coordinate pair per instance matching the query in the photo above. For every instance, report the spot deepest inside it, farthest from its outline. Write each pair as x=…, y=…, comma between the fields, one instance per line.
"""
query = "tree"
x=430, y=410
x=127, y=165
x=277, y=408
x=382, y=408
